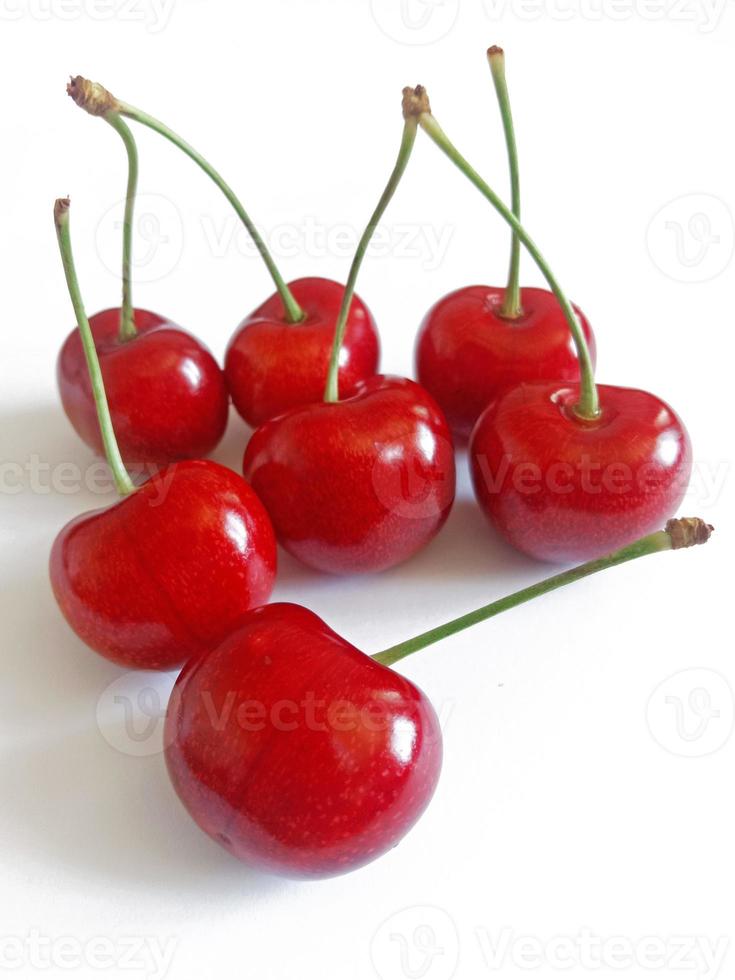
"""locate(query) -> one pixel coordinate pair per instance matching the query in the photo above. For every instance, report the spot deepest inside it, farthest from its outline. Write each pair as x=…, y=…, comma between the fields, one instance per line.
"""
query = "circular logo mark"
x=691, y=239
x=692, y=713
x=415, y=21
x=158, y=237
x=419, y=943
x=131, y=711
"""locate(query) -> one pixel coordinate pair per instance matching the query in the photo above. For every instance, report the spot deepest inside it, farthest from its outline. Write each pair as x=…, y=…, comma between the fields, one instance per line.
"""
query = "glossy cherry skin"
x=357, y=485
x=561, y=489
x=167, y=394
x=297, y=752
x=168, y=571
x=466, y=352
x=272, y=365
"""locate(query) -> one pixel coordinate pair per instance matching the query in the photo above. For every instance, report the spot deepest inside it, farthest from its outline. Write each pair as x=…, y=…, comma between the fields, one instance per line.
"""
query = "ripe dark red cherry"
x=273, y=365
x=467, y=351
x=303, y=756
x=167, y=394
x=297, y=752
x=172, y=568
x=561, y=490
x=357, y=485
x=168, y=571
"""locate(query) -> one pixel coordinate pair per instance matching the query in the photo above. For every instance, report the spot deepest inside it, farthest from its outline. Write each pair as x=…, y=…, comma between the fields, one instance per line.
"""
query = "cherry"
x=269, y=367
x=535, y=446
x=272, y=365
x=467, y=350
x=357, y=484
x=172, y=568
x=479, y=339
x=168, y=399
x=167, y=394
x=561, y=491
x=305, y=757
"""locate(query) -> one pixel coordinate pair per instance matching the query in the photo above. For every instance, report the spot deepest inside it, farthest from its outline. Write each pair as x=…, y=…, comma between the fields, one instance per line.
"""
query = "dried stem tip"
x=91, y=96
x=687, y=531
x=61, y=207
x=495, y=52
x=415, y=101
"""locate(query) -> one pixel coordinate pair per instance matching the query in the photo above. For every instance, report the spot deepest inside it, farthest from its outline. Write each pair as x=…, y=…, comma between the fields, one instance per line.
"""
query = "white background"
x=583, y=788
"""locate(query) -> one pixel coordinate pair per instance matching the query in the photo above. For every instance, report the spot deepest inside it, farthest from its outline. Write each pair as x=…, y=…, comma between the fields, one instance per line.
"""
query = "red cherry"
x=467, y=351
x=357, y=485
x=171, y=569
x=560, y=488
x=296, y=751
x=167, y=394
x=303, y=756
x=168, y=571
x=273, y=365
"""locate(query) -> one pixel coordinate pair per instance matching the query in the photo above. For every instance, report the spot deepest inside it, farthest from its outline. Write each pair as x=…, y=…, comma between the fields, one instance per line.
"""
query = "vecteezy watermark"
x=158, y=237
x=407, y=484
x=131, y=715
x=418, y=943
x=149, y=956
x=131, y=712
x=37, y=476
x=700, y=956
x=592, y=477
x=415, y=21
x=153, y=15
x=692, y=713
x=691, y=238
x=423, y=243
x=704, y=15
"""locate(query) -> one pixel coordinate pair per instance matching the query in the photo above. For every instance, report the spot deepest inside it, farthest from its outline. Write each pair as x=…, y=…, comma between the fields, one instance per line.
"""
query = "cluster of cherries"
x=350, y=471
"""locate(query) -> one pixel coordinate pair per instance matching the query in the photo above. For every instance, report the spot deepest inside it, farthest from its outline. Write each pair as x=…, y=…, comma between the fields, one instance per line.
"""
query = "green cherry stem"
x=680, y=532
x=122, y=479
x=588, y=407
x=331, y=391
x=97, y=101
x=127, y=319
x=511, y=308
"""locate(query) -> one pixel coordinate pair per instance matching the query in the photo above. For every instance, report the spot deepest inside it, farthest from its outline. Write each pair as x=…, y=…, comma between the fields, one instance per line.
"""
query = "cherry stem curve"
x=511, y=308
x=331, y=391
x=679, y=533
x=127, y=318
x=98, y=101
x=588, y=407
x=112, y=452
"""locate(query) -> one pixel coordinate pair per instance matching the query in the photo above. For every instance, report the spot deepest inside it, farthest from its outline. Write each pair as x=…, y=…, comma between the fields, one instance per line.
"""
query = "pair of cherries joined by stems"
x=294, y=750
x=564, y=470
x=276, y=360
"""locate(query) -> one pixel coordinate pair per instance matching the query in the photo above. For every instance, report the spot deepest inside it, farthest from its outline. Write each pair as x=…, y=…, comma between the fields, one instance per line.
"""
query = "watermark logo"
x=692, y=713
x=131, y=712
x=158, y=237
x=418, y=943
x=408, y=483
x=704, y=15
x=147, y=956
x=153, y=15
x=415, y=21
x=691, y=239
